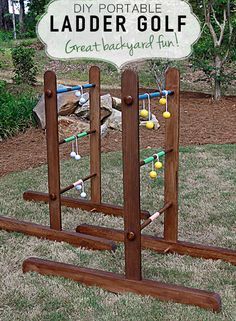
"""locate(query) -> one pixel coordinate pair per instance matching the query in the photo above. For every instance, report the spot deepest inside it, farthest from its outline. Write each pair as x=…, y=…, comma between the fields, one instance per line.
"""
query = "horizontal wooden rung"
x=79, y=182
x=156, y=215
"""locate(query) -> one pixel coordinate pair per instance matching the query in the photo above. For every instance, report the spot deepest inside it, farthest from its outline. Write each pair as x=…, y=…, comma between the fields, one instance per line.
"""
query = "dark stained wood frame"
x=160, y=245
x=85, y=205
x=172, y=158
x=131, y=236
x=131, y=174
x=119, y=283
x=169, y=243
x=95, y=139
x=95, y=204
x=53, y=159
x=54, y=232
x=45, y=232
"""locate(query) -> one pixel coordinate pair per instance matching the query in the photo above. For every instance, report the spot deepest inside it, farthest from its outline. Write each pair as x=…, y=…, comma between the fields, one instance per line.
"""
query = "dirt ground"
x=202, y=122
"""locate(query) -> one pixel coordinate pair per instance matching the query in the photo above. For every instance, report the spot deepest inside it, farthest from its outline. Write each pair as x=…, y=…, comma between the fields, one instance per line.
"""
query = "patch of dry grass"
x=207, y=214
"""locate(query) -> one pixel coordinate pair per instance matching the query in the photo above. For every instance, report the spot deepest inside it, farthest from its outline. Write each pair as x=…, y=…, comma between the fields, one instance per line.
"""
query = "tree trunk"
x=13, y=19
x=1, y=17
x=5, y=22
x=22, y=16
x=217, y=86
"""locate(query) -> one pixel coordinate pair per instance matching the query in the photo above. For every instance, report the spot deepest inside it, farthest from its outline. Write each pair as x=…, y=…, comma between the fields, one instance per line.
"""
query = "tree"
x=5, y=23
x=217, y=44
x=22, y=16
x=13, y=19
x=225, y=31
x=36, y=10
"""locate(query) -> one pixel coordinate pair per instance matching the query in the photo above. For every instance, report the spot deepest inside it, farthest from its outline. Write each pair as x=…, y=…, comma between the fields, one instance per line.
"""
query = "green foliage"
x=5, y=36
x=24, y=65
x=1, y=53
x=206, y=53
x=15, y=112
x=36, y=10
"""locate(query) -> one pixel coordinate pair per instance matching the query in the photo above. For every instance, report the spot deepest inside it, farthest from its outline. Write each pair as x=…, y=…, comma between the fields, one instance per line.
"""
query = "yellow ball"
x=153, y=174
x=144, y=113
x=166, y=114
x=150, y=125
x=158, y=165
x=162, y=101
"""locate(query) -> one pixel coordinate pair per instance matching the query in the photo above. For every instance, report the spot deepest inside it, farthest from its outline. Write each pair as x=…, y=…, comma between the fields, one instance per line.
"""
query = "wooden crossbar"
x=70, y=187
x=154, y=216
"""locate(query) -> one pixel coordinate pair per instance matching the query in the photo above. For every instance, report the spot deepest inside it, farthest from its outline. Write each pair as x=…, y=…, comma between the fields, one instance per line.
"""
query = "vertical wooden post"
x=131, y=174
x=95, y=139
x=172, y=158
x=50, y=90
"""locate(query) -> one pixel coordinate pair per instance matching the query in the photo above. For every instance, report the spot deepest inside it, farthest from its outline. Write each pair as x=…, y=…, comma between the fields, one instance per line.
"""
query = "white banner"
x=119, y=31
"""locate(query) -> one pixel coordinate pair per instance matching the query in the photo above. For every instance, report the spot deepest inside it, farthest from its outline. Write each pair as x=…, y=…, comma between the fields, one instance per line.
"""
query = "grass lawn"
x=207, y=215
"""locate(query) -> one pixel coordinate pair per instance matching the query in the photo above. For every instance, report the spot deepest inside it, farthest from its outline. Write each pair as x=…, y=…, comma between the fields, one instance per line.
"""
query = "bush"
x=1, y=54
x=24, y=65
x=5, y=36
x=15, y=112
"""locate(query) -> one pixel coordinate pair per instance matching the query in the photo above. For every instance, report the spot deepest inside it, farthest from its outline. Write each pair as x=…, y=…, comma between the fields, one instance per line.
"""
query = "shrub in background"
x=5, y=36
x=15, y=111
x=24, y=66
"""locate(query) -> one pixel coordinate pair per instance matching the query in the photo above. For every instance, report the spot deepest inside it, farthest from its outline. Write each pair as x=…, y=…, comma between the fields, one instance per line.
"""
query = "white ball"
x=77, y=157
x=72, y=154
x=78, y=187
x=78, y=93
x=82, y=101
x=83, y=194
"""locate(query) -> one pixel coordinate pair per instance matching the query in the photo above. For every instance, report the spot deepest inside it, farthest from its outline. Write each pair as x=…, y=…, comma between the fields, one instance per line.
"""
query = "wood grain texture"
x=95, y=139
x=45, y=232
x=119, y=284
x=160, y=245
x=131, y=174
x=50, y=90
x=104, y=208
x=172, y=158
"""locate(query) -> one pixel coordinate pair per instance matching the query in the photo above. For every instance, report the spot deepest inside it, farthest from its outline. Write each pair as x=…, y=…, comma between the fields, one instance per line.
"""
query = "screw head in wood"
x=128, y=100
x=48, y=93
x=131, y=236
x=53, y=197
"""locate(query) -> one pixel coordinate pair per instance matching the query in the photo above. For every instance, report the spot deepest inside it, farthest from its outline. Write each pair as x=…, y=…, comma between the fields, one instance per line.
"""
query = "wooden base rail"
x=104, y=208
x=119, y=284
x=160, y=245
x=44, y=232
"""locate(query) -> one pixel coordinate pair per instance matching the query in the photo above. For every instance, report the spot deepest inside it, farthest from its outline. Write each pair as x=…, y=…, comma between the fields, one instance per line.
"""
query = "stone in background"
x=74, y=117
